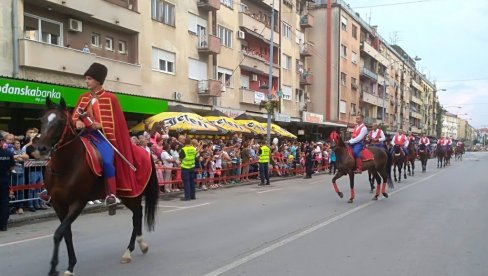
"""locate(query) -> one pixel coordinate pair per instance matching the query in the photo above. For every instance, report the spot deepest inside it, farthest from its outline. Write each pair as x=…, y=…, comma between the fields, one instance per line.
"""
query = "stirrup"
x=44, y=196
x=110, y=200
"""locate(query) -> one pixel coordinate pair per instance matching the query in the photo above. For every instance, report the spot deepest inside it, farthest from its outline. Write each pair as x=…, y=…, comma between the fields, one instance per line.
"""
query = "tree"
x=440, y=113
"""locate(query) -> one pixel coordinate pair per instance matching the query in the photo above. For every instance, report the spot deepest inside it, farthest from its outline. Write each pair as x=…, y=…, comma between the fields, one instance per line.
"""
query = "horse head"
x=422, y=147
x=53, y=125
x=397, y=149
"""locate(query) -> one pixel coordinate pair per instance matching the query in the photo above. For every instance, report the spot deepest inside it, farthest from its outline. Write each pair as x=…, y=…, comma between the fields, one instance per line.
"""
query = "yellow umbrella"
x=179, y=122
x=227, y=124
x=283, y=132
x=254, y=126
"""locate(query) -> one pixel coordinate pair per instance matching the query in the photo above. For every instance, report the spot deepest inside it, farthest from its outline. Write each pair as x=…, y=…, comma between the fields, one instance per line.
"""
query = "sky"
x=451, y=38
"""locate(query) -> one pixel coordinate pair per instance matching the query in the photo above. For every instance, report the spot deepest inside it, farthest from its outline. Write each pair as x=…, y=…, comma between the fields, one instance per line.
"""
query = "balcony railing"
x=257, y=27
x=251, y=97
x=66, y=60
x=375, y=54
x=209, y=44
x=368, y=73
x=210, y=88
x=307, y=21
x=257, y=64
x=306, y=79
x=209, y=5
x=306, y=49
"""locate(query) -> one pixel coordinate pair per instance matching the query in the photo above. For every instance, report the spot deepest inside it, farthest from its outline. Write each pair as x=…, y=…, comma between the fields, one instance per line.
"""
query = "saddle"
x=92, y=157
x=365, y=154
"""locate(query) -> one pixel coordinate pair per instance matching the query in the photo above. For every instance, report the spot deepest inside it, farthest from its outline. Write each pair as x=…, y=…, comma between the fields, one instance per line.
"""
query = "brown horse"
x=447, y=155
x=71, y=184
x=346, y=163
x=439, y=152
x=458, y=155
x=398, y=158
x=410, y=159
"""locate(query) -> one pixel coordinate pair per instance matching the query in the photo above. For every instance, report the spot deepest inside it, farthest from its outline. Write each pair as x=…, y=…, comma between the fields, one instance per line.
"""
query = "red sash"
x=400, y=140
x=357, y=130
x=378, y=134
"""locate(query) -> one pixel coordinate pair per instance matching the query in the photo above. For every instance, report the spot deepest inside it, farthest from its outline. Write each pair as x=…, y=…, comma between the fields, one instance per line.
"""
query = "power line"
x=393, y=4
x=480, y=79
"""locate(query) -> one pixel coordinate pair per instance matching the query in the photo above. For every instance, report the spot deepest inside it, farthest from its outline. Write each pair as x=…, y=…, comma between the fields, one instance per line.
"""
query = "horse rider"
x=459, y=144
x=400, y=139
x=411, y=138
x=440, y=141
x=359, y=133
x=448, y=143
x=376, y=136
x=424, y=140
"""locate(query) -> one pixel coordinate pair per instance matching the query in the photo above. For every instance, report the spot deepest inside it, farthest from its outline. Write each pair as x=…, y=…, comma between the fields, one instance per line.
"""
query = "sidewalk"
x=43, y=215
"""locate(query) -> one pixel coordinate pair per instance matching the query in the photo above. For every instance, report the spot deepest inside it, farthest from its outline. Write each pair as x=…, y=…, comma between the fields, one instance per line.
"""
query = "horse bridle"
x=67, y=127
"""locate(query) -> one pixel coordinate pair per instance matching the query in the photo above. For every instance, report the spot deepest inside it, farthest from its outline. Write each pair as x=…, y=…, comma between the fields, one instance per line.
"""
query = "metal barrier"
x=26, y=182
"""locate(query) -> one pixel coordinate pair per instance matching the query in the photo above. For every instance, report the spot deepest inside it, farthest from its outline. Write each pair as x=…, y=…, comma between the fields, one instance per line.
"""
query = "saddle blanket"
x=366, y=155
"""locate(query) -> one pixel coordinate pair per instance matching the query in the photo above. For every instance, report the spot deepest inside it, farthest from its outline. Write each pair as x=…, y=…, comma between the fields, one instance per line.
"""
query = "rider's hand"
x=80, y=125
x=96, y=126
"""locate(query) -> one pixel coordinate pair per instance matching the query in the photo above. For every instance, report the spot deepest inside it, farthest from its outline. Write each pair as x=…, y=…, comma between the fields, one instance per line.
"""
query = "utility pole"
x=270, y=77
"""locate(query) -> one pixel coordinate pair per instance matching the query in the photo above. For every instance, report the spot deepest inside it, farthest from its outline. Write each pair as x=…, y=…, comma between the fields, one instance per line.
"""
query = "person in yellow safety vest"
x=187, y=156
x=264, y=153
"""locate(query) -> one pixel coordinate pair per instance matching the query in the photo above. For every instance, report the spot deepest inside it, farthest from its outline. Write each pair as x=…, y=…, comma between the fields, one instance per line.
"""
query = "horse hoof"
x=126, y=258
x=350, y=200
x=68, y=273
x=375, y=197
x=144, y=248
x=55, y=273
x=371, y=191
x=341, y=195
x=385, y=195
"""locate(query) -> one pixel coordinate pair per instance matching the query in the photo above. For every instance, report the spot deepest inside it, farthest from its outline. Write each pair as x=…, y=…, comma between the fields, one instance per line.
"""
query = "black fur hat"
x=97, y=71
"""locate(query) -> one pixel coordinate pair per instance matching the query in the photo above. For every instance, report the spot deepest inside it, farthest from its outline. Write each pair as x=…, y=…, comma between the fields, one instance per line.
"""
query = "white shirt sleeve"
x=382, y=137
x=393, y=140
x=407, y=141
x=362, y=134
x=428, y=142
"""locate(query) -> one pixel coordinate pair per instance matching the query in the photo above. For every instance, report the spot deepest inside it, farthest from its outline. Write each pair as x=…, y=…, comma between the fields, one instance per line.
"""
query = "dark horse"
x=372, y=177
x=458, y=155
x=72, y=184
x=398, y=162
x=447, y=155
x=424, y=156
x=439, y=152
x=346, y=163
x=410, y=159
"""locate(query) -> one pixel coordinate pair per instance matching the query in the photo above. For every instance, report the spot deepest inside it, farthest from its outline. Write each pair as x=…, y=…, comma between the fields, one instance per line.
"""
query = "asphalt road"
x=434, y=223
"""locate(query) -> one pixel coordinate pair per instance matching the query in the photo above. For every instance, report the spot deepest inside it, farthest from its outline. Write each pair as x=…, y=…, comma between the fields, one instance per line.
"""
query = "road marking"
x=270, y=190
x=170, y=206
x=25, y=240
x=187, y=207
x=301, y=234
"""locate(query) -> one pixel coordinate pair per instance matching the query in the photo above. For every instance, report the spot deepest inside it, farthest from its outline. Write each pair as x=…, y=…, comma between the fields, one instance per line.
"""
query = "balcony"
x=251, y=97
x=211, y=88
x=306, y=79
x=209, y=5
x=257, y=64
x=416, y=85
x=66, y=60
x=415, y=114
x=208, y=44
x=368, y=73
x=372, y=52
x=306, y=49
x=128, y=4
x=367, y=97
x=102, y=11
x=416, y=100
x=257, y=28
x=306, y=21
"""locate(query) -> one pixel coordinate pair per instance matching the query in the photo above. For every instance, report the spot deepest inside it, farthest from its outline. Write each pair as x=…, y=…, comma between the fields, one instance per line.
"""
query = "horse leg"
x=338, y=175
x=135, y=206
x=68, y=238
x=73, y=211
x=400, y=173
x=413, y=167
x=371, y=179
x=351, y=185
x=405, y=169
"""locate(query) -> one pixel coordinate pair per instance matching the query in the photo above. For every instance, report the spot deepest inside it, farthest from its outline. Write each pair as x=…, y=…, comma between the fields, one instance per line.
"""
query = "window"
x=244, y=81
x=196, y=24
x=354, y=83
x=343, y=51
x=225, y=36
x=95, y=39
x=163, y=61
x=109, y=43
x=354, y=58
x=343, y=78
x=286, y=61
x=287, y=91
x=225, y=76
x=299, y=37
x=344, y=24
x=342, y=107
x=286, y=30
x=379, y=112
x=122, y=47
x=228, y=3
x=354, y=31
x=163, y=12
x=353, y=109
x=197, y=70
x=43, y=30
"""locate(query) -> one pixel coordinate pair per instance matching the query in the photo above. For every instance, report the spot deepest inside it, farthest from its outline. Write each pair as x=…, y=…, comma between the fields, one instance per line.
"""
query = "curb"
x=19, y=220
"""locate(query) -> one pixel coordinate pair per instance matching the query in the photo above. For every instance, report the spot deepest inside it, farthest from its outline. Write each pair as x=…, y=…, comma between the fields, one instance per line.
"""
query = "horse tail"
x=151, y=193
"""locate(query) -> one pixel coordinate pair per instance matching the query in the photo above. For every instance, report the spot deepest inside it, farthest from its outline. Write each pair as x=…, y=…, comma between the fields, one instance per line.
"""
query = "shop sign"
x=314, y=118
x=29, y=92
x=232, y=113
x=259, y=97
x=279, y=117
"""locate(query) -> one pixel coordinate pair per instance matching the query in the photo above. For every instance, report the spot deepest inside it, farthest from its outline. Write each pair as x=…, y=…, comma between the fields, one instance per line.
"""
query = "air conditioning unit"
x=254, y=77
x=241, y=35
x=75, y=25
x=177, y=95
x=203, y=87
